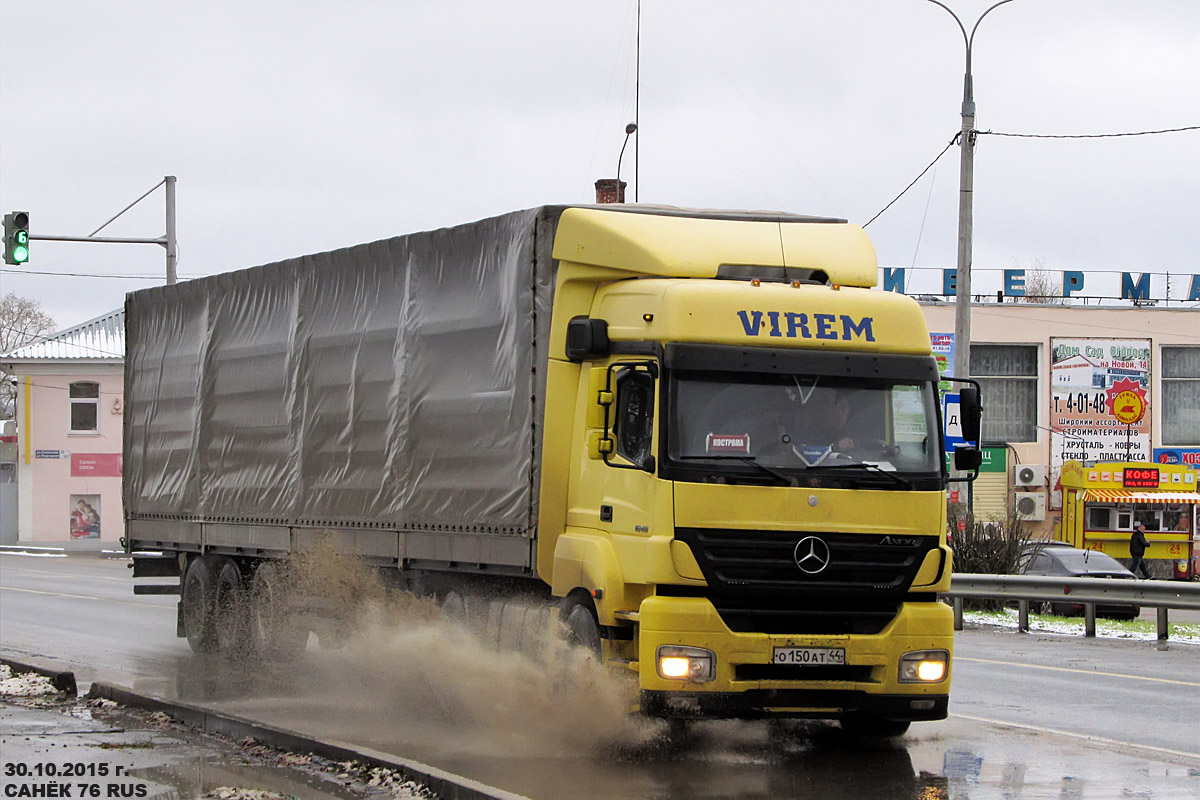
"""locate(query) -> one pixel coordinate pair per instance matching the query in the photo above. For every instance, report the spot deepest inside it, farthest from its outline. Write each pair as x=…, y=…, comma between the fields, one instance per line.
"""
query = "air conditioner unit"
x=1029, y=475
x=1030, y=505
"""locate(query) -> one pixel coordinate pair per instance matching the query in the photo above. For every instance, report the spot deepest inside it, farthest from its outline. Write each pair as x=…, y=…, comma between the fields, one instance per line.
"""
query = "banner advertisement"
x=1178, y=455
x=85, y=516
x=95, y=465
x=1099, y=403
x=942, y=345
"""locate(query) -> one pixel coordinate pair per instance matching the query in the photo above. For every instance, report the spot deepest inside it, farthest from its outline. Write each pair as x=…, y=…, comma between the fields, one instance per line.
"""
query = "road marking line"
x=1079, y=671
x=138, y=603
x=60, y=574
x=1085, y=736
x=53, y=594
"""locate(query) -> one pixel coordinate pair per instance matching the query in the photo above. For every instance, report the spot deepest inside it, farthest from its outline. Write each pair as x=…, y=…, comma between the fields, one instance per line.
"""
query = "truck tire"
x=273, y=631
x=582, y=628
x=455, y=607
x=870, y=726
x=231, y=613
x=196, y=601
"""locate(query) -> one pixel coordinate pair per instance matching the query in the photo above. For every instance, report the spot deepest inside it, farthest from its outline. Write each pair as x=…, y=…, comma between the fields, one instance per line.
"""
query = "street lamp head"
x=629, y=129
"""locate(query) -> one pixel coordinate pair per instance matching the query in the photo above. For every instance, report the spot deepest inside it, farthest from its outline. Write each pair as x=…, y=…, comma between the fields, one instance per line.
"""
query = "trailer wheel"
x=197, y=606
x=231, y=617
x=273, y=631
x=870, y=726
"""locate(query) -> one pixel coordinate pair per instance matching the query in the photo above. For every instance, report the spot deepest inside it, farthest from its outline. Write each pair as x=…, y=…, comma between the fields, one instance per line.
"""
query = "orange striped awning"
x=1126, y=496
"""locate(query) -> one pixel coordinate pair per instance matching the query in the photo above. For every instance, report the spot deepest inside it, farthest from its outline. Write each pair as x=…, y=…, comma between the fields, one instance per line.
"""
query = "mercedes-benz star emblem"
x=811, y=554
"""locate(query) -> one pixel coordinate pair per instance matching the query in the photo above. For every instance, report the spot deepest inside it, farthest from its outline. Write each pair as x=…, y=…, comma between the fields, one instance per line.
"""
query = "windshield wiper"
x=788, y=481
x=875, y=468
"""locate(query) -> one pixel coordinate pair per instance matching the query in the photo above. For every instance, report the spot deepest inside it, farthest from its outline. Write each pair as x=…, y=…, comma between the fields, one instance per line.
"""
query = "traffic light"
x=16, y=237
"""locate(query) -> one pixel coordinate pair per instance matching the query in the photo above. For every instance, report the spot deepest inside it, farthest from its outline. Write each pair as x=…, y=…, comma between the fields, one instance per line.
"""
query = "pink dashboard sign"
x=95, y=465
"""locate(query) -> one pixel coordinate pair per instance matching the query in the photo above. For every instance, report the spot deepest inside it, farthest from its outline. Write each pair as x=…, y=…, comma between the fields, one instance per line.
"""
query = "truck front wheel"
x=196, y=601
x=582, y=628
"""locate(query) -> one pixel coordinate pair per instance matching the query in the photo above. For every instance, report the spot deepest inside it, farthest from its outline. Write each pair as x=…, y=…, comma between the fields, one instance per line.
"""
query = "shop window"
x=85, y=407
x=1152, y=518
x=1125, y=519
x=1181, y=396
x=1007, y=375
x=1099, y=518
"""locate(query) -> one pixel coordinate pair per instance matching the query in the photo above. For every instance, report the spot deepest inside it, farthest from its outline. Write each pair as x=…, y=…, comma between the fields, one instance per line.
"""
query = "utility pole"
x=966, y=189
x=167, y=240
x=966, y=221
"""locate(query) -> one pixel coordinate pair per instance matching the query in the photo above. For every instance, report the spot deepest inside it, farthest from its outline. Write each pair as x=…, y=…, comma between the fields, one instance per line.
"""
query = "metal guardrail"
x=1025, y=589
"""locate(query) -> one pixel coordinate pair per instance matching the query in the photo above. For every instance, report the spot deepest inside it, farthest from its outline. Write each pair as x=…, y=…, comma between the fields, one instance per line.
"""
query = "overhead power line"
x=1086, y=135
x=86, y=275
x=949, y=144
x=958, y=135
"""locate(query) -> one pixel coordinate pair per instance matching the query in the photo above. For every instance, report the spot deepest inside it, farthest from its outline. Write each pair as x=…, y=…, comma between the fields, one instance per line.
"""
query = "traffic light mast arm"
x=17, y=224
x=161, y=240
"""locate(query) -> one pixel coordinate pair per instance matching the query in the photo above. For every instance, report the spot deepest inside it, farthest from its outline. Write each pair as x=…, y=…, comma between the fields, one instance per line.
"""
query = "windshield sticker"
x=727, y=443
x=813, y=455
x=794, y=325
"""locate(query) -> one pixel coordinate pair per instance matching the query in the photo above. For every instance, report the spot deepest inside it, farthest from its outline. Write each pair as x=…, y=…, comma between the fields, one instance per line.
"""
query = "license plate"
x=809, y=656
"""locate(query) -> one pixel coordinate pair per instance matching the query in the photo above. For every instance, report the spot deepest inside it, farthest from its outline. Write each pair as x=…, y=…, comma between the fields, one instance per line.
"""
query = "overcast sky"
x=295, y=127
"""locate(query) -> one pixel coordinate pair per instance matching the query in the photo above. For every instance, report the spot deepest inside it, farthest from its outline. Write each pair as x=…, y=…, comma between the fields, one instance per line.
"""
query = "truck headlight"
x=924, y=666
x=693, y=664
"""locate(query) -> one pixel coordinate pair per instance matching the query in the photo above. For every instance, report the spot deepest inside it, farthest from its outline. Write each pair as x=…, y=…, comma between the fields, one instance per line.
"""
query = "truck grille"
x=739, y=562
x=756, y=585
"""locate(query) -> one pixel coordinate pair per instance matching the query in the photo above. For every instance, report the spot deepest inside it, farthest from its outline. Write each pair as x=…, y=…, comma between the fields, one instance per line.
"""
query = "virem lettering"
x=792, y=324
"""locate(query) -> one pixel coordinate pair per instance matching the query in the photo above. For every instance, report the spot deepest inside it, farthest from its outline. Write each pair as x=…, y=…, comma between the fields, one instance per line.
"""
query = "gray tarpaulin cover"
x=395, y=383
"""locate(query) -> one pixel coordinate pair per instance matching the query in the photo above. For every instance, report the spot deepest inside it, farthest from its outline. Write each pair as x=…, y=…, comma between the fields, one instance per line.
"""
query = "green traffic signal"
x=16, y=237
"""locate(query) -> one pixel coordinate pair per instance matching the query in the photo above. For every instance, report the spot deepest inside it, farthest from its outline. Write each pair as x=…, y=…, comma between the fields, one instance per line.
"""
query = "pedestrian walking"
x=1137, y=548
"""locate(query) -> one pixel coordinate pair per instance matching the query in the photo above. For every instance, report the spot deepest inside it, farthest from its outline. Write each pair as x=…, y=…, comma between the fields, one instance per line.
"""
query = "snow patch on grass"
x=1137, y=629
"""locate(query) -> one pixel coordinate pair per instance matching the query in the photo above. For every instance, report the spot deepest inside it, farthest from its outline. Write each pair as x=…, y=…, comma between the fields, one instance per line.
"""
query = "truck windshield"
x=815, y=429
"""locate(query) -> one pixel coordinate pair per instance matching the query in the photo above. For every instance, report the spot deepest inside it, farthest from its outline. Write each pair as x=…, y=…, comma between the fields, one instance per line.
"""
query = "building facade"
x=70, y=395
x=1066, y=382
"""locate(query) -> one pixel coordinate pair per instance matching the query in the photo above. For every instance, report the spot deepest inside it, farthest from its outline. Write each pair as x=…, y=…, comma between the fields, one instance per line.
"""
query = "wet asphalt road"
x=1031, y=715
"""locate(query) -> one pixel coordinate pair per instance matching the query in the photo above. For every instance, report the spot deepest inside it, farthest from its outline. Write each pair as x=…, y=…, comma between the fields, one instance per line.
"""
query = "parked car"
x=1057, y=559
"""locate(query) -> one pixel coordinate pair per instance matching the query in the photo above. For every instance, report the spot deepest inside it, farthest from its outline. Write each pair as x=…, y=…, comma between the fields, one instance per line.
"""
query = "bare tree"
x=21, y=322
x=1041, y=286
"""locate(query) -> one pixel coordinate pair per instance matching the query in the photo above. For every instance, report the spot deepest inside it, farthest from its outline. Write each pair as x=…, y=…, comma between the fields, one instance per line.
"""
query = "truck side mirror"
x=972, y=413
x=967, y=459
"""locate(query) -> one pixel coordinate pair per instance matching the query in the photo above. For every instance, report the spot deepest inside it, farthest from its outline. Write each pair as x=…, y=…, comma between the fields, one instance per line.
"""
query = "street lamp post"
x=629, y=130
x=966, y=187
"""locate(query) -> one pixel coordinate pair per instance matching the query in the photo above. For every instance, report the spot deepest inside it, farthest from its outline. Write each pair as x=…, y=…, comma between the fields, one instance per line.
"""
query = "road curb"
x=32, y=550
x=445, y=785
x=63, y=681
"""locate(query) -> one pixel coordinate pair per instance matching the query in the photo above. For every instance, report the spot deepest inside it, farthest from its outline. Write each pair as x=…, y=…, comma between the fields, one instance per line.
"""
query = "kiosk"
x=1102, y=502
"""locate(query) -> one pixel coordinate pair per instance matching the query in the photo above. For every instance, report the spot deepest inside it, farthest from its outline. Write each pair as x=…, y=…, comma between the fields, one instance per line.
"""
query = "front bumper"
x=748, y=685
x=796, y=703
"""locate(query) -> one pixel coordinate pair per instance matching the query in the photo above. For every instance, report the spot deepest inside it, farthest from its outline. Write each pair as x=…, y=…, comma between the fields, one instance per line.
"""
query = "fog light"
x=686, y=663
x=924, y=666
x=675, y=667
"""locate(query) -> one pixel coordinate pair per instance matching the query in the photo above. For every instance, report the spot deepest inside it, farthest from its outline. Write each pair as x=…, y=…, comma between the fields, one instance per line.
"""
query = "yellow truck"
x=699, y=435
x=1103, y=501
